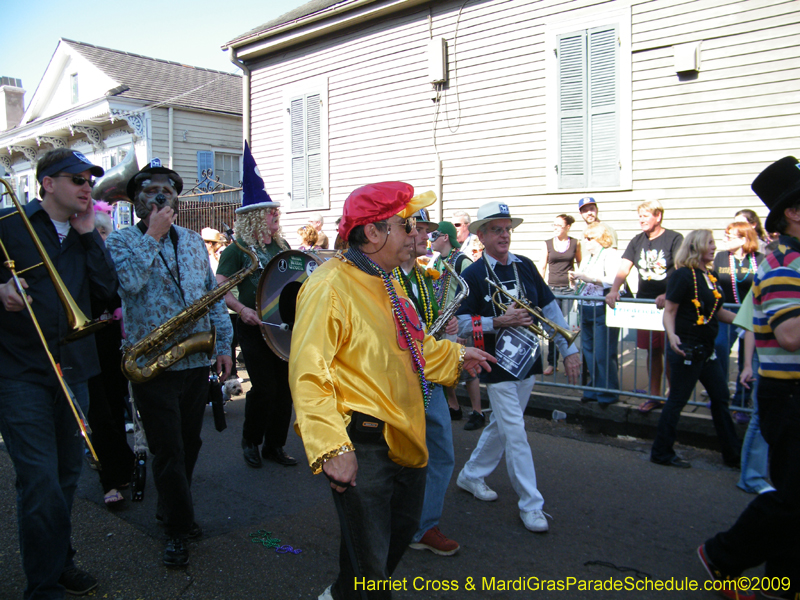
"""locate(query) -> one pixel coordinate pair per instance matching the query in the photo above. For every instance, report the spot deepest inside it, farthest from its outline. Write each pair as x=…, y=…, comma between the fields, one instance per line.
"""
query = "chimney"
x=12, y=102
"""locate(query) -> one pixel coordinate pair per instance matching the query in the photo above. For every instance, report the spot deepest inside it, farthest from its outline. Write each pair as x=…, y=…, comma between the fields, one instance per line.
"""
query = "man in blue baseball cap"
x=36, y=419
x=587, y=206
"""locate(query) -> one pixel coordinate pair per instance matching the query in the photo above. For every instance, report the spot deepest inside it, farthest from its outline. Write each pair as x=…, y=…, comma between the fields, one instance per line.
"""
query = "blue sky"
x=182, y=31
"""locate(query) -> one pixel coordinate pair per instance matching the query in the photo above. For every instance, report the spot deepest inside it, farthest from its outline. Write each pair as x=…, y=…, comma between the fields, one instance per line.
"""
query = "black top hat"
x=778, y=186
x=154, y=167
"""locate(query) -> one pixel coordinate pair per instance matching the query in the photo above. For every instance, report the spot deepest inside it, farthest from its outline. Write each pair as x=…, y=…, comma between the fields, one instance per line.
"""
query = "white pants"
x=506, y=433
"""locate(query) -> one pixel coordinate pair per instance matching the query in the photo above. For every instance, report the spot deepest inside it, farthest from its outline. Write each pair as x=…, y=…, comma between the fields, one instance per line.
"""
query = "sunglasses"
x=78, y=180
x=435, y=235
x=461, y=224
x=499, y=230
x=409, y=224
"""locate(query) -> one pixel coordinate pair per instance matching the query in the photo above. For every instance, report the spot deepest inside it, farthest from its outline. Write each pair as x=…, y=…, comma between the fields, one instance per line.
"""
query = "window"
x=212, y=164
x=587, y=106
x=588, y=90
x=305, y=170
x=226, y=167
x=73, y=85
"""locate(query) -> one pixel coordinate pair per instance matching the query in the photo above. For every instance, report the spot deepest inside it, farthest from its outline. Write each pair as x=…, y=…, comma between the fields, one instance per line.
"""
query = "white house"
x=535, y=103
x=99, y=100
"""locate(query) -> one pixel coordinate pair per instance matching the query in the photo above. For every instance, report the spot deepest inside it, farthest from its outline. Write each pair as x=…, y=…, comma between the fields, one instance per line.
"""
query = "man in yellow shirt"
x=360, y=373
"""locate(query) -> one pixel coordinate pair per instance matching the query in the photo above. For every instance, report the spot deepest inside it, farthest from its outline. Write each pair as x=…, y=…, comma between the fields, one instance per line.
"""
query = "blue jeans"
x=726, y=337
x=441, y=460
x=380, y=514
x=599, y=346
x=41, y=436
x=755, y=451
x=682, y=381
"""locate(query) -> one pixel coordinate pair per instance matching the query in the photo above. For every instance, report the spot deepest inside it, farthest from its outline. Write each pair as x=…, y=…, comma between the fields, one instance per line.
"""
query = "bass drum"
x=276, y=296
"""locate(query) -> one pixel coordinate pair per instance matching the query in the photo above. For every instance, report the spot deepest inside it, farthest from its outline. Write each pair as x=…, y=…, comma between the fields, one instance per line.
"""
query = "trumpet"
x=535, y=312
x=78, y=323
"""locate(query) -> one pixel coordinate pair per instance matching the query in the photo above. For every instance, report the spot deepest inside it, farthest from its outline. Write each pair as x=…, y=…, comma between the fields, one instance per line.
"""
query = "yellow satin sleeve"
x=345, y=357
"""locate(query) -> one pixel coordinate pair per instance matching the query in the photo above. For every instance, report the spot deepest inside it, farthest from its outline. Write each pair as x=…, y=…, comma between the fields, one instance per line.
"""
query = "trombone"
x=535, y=312
x=79, y=324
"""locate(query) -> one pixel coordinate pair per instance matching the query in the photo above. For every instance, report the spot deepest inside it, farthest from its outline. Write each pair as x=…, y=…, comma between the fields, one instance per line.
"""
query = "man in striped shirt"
x=769, y=528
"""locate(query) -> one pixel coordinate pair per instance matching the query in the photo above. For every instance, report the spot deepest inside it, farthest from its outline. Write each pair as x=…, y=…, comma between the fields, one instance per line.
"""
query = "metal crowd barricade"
x=208, y=209
x=633, y=364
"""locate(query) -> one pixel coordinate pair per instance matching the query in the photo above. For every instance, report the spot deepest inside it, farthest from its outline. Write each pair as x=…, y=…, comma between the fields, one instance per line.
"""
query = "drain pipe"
x=245, y=95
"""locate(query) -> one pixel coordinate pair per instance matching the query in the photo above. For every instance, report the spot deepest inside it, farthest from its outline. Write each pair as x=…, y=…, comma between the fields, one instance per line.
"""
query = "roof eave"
x=339, y=16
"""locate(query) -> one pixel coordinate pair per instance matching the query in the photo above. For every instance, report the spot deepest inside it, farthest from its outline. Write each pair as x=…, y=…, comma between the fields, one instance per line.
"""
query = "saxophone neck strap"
x=173, y=236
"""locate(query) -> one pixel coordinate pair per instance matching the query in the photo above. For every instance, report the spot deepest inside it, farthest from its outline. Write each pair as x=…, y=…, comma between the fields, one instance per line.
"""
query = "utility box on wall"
x=437, y=60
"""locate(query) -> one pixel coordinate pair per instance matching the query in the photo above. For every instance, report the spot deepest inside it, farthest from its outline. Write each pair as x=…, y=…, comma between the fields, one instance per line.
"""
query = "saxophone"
x=437, y=329
x=165, y=335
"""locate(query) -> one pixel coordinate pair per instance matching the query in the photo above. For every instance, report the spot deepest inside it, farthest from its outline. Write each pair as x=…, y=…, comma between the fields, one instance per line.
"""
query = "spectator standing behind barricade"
x=445, y=241
x=308, y=238
x=768, y=529
x=268, y=403
x=214, y=242
x=562, y=255
x=599, y=343
x=653, y=253
x=736, y=268
x=506, y=335
x=316, y=221
x=755, y=451
x=588, y=208
x=469, y=241
x=693, y=309
x=751, y=218
x=39, y=430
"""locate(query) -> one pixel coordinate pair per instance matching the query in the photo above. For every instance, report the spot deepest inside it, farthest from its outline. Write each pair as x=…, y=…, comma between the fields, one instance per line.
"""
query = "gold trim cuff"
x=316, y=466
x=462, y=355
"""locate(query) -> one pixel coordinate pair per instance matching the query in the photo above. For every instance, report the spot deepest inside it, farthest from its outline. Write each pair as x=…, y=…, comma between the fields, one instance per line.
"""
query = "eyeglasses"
x=558, y=226
x=435, y=235
x=461, y=224
x=410, y=224
x=78, y=180
x=499, y=230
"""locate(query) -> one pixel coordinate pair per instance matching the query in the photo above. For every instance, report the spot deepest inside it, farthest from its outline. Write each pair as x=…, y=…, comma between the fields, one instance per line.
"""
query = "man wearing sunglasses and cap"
x=509, y=385
x=361, y=371
x=36, y=420
x=162, y=269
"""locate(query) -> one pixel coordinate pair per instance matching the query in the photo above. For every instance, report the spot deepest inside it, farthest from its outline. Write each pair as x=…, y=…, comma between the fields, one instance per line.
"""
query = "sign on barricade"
x=635, y=315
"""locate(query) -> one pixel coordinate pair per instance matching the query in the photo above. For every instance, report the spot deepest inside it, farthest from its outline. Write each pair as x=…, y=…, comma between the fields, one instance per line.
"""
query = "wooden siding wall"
x=205, y=131
x=697, y=144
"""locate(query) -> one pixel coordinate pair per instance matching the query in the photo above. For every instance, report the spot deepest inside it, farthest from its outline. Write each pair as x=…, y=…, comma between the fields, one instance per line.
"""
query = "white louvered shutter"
x=588, y=108
x=298, y=153
x=603, y=108
x=572, y=155
x=314, y=152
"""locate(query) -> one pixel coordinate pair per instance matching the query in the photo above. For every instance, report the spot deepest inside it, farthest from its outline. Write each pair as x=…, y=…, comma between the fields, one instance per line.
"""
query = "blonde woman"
x=692, y=314
x=598, y=343
x=308, y=237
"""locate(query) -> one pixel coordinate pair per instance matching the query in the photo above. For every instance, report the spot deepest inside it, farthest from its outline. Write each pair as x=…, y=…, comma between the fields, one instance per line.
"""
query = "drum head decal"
x=276, y=296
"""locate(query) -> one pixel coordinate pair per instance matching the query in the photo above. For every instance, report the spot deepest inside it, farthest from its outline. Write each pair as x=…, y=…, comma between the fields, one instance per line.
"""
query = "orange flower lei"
x=701, y=319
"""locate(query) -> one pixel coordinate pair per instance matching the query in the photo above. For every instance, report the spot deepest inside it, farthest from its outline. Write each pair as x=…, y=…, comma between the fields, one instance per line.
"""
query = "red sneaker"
x=728, y=588
x=437, y=542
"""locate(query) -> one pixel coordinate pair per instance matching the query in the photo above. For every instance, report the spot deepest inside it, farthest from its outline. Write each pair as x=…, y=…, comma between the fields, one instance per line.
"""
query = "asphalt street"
x=614, y=516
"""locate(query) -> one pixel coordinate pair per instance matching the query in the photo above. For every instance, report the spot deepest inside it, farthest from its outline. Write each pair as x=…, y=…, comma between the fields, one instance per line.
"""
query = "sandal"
x=647, y=406
x=549, y=370
x=113, y=498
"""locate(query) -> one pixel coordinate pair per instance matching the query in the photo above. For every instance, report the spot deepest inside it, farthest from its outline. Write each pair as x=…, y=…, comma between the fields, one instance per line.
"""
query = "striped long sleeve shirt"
x=776, y=298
